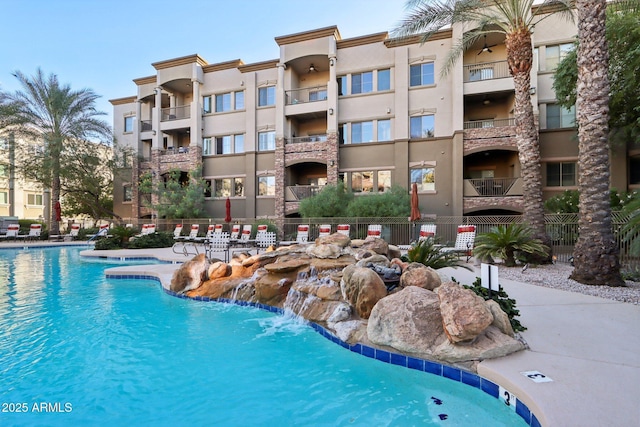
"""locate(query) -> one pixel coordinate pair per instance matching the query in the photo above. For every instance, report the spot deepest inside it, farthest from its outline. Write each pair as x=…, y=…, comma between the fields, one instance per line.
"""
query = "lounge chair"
x=177, y=232
x=464, y=241
x=374, y=230
x=34, y=232
x=218, y=242
x=235, y=232
x=73, y=232
x=344, y=229
x=265, y=239
x=12, y=232
x=301, y=237
x=427, y=231
x=324, y=230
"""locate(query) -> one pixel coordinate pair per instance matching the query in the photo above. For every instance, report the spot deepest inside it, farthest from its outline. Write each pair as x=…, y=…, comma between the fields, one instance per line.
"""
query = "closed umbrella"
x=57, y=209
x=227, y=217
x=415, y=208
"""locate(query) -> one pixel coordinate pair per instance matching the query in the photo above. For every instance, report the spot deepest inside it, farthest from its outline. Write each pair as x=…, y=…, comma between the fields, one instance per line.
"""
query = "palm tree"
x=515, y=19
x=508, y=241
x=596, y=253
x=55, y=116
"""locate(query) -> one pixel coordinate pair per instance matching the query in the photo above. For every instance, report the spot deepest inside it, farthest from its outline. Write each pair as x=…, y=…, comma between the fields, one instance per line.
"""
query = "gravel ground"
x=557, y=276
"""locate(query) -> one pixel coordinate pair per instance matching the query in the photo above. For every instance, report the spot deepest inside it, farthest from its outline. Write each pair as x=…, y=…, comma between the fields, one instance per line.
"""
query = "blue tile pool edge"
x=430, y=367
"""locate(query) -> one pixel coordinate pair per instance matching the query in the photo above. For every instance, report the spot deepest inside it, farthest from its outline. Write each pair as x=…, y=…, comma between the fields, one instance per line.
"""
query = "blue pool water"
x=79, y=349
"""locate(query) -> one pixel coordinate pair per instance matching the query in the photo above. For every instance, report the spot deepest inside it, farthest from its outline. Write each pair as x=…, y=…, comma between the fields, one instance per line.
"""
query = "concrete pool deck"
x=588, y=346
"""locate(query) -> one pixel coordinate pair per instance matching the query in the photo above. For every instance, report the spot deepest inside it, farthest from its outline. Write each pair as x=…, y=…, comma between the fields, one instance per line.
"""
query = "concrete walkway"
x=589, y=347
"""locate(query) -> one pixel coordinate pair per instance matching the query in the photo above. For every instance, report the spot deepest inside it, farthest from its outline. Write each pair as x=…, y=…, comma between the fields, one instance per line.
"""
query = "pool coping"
x=469, y=378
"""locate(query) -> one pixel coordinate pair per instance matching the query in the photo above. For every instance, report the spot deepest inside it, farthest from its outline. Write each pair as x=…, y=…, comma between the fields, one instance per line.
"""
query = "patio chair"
x=217, y=243
x=73, y=233
x=324, y=230
x=344, y=229
x=374, y=230
x=465, y=238
x=265, y=239
x=193, y=233
x=427, y=231
x=215, y=228
x=34, y=232
x=301, y=237
x=246, y=232
x=235, y=232
x=177, y=232
x=12, y=232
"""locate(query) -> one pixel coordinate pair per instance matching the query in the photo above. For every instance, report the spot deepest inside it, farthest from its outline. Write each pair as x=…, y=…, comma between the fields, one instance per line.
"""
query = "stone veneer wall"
x=485, y=138
x=507, y=202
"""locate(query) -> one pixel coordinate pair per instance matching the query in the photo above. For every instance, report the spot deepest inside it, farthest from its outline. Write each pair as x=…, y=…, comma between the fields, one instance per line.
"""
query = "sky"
x=103, y=45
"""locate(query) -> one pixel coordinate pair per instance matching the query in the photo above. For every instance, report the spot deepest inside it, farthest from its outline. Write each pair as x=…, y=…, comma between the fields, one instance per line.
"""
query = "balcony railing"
x=307, y=94
x=493, y=123
x=145, y=125
x=176, y=113
x=492, y=187
x=486, y=71
x=300, y=192
x=309, y=138
x=175, y=150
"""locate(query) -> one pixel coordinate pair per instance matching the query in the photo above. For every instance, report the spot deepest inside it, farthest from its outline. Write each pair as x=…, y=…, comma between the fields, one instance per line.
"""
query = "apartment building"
x=19, y=197
x=371, y=111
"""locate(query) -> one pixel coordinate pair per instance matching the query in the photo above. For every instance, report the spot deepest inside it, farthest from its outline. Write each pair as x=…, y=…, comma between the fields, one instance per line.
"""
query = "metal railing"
x=300, y=192
x=176, y=113
x=145, y=125
x=561, y=228
x=486, y=71
x=492, y=187
x=175, y=150
x=493, y=123
x=308, y=138
x=307, y=94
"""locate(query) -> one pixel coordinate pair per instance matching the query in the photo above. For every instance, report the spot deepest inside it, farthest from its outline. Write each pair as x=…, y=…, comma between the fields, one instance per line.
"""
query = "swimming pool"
x=78, y=348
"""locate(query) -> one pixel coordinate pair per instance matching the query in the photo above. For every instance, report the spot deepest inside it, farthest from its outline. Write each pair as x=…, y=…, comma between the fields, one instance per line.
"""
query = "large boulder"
x=490, y=344
x=190, y=275
x=500, y=318
x=416, y=274
x=338, y=239
x=375, y=245
x=326, y=250
x=362, y=288
x=464, y=314
x=408, y=320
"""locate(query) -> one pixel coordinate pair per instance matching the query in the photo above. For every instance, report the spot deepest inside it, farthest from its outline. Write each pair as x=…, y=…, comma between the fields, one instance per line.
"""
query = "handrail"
x=176, y=113
x=486, y=71
x=492, y=123
x=491, y=187
x=306, y=94
x=301, y=192
x=308, y=138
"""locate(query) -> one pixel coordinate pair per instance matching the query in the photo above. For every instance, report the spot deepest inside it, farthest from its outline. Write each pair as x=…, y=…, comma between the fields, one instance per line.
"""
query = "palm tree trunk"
x=595, y=254
x=520, y=60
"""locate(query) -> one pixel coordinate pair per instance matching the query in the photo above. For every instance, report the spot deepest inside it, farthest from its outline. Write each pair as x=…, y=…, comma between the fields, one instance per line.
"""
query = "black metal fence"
x=562, y=229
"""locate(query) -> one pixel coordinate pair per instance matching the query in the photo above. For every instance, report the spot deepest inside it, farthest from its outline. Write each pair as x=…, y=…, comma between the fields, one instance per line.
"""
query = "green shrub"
x=123, y=234
x=396, y=202
x=107, y=243
x=507, y=242
x=428, y=253
x=271, y=227
x=331, y=201
x=508, y=305
x=161, y=239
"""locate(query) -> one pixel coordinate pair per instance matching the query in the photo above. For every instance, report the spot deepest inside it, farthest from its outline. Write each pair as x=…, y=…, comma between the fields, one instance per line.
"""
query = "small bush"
x=161, y=239
x=428, y=253
x=508, y=242
x=107, y=243
x=507, y=304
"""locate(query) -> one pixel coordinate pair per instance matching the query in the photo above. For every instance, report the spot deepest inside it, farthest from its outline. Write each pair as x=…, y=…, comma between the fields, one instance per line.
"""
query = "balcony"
x=304, y=95
x=295, y=193
x=493, y=123
x=487, y=77
x=493, y=187
x=145, y=125
x=309, y=138
x=176, y=113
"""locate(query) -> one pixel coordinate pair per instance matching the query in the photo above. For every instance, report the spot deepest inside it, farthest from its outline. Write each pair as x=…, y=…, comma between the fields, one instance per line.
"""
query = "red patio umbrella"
x=57, y=210
x=227, y=217
x=415, y=204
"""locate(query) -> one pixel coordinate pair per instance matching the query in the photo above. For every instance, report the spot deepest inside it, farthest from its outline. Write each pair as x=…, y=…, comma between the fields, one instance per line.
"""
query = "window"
x=362, y=182
x=238, y=141
x=384, y=79
x=634, y=170
x=361, y=132
x=34, y=199
x=266, y=141
x=267, y=186
x=206, y=104
x=239, y=100
x=4, y=198
x=560, y=117
x=223, y=144
x=478, y=74
x=561, y=174
x=266, y=96
x=384, y=130
x=421, y=74
x=422, y=126
x=424, y=177
x=223, y=102
x=225, y=187
x=342, y=85
x=384, y=181
x=207, y=147
x=342, y=133
x=127, y=193
x=128, y=123
x=362, y=82
x=555, y=54
x=318, y=95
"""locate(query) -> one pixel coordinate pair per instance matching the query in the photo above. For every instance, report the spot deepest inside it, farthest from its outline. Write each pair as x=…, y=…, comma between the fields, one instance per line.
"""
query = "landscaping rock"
x=464, y=314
